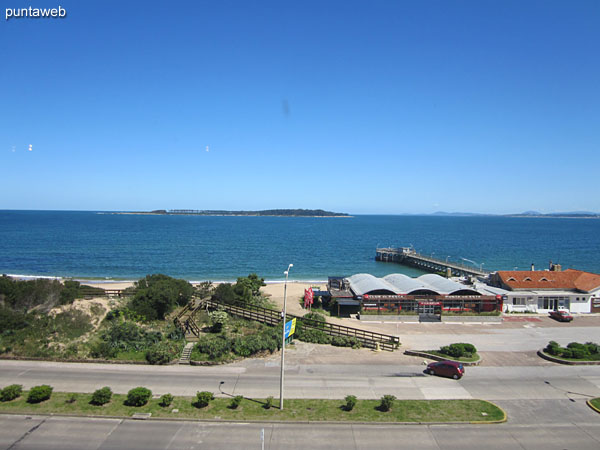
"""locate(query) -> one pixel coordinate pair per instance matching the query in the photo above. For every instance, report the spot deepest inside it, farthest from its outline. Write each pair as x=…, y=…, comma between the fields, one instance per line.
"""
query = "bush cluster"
x=11, y=392
x=203, y=399
x=236, y=401
x=459, y=350
x=269, y=402
x=574, y=350
x=157, y=295
x=124, y=335
x=163, y=352
x=138, y=396
x=350, y=402
x=346, y=341
x=220, y=346
x=387, y=401
x=166, y=400
x=38, y=394
x=101, y=396
x=245, y=290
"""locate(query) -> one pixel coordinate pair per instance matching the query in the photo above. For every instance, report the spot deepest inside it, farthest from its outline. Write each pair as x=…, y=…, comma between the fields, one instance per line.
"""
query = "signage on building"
x=430, y=303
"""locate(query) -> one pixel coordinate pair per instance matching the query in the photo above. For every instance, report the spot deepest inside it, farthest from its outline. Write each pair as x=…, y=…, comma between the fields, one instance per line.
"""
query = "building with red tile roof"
x=546, y=290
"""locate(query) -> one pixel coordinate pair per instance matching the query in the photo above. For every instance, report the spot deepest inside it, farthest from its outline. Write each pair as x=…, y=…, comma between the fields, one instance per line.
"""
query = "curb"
x=441, y=358
x=592, y=406
x=554, y=359
x=489, y=422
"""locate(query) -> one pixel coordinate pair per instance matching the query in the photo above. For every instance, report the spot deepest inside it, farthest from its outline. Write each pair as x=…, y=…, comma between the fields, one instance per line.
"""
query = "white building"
x=546, y=290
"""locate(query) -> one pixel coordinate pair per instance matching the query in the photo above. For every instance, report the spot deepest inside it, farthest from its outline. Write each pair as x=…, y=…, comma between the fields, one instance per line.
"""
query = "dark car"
x=562, y=315
x=451, y=369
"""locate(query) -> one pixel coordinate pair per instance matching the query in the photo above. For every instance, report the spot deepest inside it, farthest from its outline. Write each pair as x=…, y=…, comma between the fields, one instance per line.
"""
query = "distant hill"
x=571, y=214
x=266, y=212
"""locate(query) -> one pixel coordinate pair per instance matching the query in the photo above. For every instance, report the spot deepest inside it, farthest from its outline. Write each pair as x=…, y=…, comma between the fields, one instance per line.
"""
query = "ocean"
x=99, y=246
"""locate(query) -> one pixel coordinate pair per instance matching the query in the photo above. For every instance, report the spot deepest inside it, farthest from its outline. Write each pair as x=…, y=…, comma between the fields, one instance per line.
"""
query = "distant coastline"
x=265, y=213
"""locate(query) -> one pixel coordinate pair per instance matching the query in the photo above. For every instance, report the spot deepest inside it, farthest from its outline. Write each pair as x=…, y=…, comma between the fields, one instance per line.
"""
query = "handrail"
x=367, y=338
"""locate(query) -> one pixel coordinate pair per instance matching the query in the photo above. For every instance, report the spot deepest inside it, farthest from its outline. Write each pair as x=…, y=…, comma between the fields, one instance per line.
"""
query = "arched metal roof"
x=364, y=283
x=445, y=286
x=405, y=284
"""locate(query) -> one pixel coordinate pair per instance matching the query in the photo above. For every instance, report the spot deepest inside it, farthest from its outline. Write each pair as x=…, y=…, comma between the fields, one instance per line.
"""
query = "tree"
x=157, y=295
x=224, y=294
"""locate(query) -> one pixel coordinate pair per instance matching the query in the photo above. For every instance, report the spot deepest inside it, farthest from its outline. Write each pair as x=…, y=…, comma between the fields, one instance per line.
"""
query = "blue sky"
x=382, y=107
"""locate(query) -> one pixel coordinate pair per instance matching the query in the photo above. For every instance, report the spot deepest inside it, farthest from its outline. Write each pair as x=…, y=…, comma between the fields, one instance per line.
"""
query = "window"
x=520, y=301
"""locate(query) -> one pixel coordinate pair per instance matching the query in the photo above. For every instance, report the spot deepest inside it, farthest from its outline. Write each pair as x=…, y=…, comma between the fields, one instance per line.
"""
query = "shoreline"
x=104, y=282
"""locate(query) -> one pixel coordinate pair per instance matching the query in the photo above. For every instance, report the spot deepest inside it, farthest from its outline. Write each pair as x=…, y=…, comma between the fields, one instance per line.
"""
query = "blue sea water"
x=91, y=245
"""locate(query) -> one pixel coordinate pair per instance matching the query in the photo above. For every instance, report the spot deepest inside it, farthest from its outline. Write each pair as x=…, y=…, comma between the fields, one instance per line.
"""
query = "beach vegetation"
x=242, y=338
x=43, y=294
x=157, y=295
x=218, y=320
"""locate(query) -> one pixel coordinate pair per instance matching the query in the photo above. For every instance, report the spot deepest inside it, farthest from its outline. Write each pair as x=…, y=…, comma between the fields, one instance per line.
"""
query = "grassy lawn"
x=473, y=358
x=596, y=402
x=250, y=409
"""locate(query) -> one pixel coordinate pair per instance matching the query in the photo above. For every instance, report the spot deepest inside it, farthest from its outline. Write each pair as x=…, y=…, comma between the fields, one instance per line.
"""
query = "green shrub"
x=215, y=347
x=236, y=401
x=218, y=320
x=11, y=392
x=203, y=399
x=269, y=402
x=101, y=396
x=387, y=401
x=38, y=394
x=71, y=398
x=459, y=350
x=157, y=295
x=166, y=400
x=314, y=336
x=350, y=402
x=162, y=352
x=138, y=396
x=580, y=353
x=103, y=350
x=345, y=341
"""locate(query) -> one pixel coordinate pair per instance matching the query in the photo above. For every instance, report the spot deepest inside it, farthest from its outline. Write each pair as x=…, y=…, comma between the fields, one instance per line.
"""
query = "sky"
x=379, y=107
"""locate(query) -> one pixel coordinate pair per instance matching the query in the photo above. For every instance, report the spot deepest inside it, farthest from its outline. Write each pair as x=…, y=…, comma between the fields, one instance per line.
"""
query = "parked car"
x=451, y=369
x=562, y=315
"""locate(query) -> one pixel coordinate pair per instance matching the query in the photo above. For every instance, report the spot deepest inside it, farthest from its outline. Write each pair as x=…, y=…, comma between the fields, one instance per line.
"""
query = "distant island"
x=266, y=212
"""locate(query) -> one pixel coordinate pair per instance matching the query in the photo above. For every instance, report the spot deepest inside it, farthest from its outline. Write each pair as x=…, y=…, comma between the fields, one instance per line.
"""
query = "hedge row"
x=589, y=351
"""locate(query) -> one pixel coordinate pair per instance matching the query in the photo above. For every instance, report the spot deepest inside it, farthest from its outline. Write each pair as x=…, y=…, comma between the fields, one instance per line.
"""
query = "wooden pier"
x=409, y=257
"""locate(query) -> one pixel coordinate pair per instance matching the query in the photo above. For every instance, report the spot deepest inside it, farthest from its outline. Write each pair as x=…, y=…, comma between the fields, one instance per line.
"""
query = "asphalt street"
x=37, y=432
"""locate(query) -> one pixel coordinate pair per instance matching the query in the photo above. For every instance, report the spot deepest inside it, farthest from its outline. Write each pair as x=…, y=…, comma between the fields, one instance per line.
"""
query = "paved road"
x=18, y=432
x=260, y=379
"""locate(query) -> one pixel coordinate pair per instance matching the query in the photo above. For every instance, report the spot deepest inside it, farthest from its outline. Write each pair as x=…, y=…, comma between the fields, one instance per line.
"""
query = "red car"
x=451, y=369
x=562, y=315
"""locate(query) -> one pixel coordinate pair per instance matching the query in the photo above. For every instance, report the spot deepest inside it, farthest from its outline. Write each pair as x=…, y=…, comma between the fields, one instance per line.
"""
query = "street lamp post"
x=286, y=273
